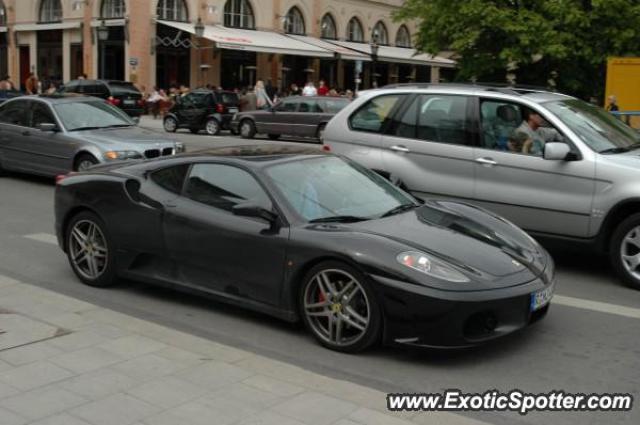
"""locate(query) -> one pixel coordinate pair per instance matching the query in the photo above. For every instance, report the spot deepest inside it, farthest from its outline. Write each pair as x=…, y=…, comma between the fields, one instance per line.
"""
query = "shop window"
x=403, y=38
x=354, y=31
x=112, y=9
x=380, y=34
x=294, y=22
x=328, y=27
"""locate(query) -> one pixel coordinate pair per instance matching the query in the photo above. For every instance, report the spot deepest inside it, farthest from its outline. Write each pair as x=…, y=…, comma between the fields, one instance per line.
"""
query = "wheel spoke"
x=338, y=328
x=79, y=254
x=348, y=297
x=323, y=313
x=327, y=284
x=93, y=266
x=79, y=236
x=349, y=321
x=633, y=238
x=321, y=285
x=362, y=321
x=632, y=261
x=317, y=305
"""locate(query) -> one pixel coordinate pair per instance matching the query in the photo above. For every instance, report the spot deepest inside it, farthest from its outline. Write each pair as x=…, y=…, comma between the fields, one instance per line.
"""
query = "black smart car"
x=122, y=94
x=305, y=235
x=201, y=109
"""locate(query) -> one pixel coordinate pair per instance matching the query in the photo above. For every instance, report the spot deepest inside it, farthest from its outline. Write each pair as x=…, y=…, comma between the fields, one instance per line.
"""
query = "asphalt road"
x=581, y=346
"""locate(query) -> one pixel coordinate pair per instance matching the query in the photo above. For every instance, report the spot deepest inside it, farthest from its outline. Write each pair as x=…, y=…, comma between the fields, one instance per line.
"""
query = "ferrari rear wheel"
x=88, y=250
x=339, y=307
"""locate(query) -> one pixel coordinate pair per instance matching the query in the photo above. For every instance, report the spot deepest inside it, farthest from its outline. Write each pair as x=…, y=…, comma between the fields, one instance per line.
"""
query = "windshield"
x=90, y=115
x=326, y=187
x=597, y=128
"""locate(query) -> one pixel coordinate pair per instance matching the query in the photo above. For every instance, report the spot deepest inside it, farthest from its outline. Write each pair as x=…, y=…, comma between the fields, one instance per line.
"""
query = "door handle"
x=487, y=162
x=400, y=148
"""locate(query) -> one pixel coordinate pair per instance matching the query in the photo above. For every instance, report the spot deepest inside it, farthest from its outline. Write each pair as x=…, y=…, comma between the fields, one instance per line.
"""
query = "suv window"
x=287, y=106
x=171, y=178
x=224, y=186
x=71, y=87
x=309, y=105
x=41, y=114
x=199, y=100
x=373, y=114
x=504, y=128
x=443, y=118
x=15, y=112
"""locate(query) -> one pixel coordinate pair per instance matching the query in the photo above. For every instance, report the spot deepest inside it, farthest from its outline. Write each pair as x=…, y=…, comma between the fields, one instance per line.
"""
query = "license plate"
x=541, y=298
x=129, y=102
x=233, y=110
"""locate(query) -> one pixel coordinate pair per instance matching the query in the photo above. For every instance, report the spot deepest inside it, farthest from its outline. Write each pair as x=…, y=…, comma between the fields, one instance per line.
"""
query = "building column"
x=141, y=34
x=88, y=66
x=340, y=72
x=435, y=74
x=66, y=56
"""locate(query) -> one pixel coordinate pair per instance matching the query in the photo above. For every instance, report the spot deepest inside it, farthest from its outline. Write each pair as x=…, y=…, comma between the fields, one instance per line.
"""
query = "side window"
x=287, y=106
x=171, y=178
x=71, y=87
x=443, y=118
x=372, y=116
x=101, y=90
x=309, y=105
x=224, y=186
x=188, y=101
x=405, y=124
x=41, y=114
x=510, y=127
x=15, y=113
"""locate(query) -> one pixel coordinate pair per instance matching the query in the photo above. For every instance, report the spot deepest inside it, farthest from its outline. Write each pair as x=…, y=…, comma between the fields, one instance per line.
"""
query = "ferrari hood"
x=484, y=246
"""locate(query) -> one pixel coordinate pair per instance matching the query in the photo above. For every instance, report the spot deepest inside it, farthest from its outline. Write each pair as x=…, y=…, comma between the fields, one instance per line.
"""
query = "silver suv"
x=554, y=165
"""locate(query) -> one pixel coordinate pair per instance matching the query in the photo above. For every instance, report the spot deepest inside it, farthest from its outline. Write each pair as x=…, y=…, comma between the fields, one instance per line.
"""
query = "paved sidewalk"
x=67, y=362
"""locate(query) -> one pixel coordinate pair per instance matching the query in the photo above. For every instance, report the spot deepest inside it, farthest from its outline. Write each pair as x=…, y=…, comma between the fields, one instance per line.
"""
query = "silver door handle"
x=399, y=148
x=486, y=161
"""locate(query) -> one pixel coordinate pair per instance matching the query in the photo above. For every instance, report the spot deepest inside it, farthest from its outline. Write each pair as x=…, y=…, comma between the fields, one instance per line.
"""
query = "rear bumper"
x=435, y=318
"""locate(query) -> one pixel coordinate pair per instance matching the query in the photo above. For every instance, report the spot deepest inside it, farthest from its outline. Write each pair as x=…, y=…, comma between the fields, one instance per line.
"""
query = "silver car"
x=468, y=142
x=51, y=135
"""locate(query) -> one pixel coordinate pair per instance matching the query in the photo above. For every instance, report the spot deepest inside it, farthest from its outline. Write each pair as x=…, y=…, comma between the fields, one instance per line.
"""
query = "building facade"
x=229, y=43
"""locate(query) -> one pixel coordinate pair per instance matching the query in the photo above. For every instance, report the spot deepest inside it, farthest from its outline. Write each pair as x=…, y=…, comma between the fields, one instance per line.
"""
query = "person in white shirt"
x=309, y=89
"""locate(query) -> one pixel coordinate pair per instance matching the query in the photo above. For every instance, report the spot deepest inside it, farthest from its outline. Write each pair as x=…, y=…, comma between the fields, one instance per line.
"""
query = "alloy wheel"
x=245, y=129
x=85, y=164
x=630, y=252
x=170, y=125
x=212, y=127
x=337, y=307
x=88, y=249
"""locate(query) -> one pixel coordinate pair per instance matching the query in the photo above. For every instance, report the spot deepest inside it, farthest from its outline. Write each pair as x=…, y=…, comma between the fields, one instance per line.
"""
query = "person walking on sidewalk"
x=262, y=98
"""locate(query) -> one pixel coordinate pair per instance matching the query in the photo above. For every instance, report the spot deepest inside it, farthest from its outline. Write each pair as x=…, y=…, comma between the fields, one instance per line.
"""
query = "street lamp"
x=374, y=56
x=103, y=35
x=199, y=30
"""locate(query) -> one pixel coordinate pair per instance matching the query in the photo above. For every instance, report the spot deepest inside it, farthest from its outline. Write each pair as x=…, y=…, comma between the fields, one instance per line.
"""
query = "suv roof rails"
x=497, y=87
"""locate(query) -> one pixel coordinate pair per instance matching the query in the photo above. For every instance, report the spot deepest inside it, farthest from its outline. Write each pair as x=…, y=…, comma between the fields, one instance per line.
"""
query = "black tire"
x=617, y=250
x=247, y=129
x=212, y=127
x=83, y=161
x=170, y=124
x=273, y=136
x=194, y=130
x=371, y=333
x=106, y=266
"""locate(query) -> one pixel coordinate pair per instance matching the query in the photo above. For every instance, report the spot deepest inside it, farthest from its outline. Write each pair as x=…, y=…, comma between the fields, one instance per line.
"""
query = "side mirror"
x=556, y=151
x=47, y=126
x=250, y=209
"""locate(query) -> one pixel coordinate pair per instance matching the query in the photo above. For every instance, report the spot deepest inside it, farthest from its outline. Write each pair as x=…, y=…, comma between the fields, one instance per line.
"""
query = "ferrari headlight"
x=113, y=155
x=428, y=265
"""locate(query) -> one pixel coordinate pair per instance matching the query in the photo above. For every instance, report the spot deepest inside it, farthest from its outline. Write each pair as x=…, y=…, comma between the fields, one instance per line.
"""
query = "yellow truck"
x=623, y=81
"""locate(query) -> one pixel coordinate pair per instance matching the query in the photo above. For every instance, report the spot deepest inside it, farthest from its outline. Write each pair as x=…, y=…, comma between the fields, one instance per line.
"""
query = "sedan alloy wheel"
x=212, y=127
x=170, y=124
x=339, y=311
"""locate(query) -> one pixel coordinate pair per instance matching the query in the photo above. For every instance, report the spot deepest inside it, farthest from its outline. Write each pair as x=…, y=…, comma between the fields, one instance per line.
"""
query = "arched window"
x=328, y=27
x=380, y=33
x=172, y=10
x=403, y=38
x=50, y=11
x=294, y=22
x=112, y=9
x=3, y=15
x=354, y=30
x=239, y=14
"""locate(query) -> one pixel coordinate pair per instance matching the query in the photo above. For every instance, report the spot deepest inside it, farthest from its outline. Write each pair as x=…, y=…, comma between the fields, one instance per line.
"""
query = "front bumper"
x=433, y=318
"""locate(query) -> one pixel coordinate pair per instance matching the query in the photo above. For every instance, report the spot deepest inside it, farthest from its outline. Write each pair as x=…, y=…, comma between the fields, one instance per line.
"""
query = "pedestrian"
x=250, y=100
x=262, y=98
x=333, y=93
x=31, y=84
x=153, y=101
x=295, y=90
x=184, y=90
x=309, y=89
x=52, y=89
x=323, y=90
x=613, y=104
x=271, y=91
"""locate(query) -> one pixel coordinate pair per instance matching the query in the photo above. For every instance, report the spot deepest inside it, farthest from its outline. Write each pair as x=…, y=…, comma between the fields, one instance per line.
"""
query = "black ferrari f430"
x=306, y=235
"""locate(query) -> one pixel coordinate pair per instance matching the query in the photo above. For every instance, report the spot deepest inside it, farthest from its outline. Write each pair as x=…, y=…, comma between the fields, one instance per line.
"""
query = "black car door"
x=189, y=111
x=218, y=251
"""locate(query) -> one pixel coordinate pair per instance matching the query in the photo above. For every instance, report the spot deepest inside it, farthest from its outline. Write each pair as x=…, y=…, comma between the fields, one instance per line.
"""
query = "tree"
x=540, y=38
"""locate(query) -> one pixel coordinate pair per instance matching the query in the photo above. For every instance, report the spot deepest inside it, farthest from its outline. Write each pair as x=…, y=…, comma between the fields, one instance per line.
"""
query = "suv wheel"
x=625, y=250
x=212, y=127
x=84, y=162
x=170, y=124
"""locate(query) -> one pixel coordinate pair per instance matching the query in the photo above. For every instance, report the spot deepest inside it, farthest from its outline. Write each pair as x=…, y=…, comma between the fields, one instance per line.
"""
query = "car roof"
x=263, y=152
x=533, y=93
x=56, y=98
